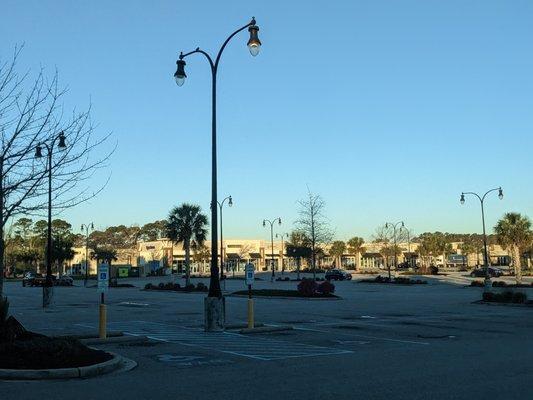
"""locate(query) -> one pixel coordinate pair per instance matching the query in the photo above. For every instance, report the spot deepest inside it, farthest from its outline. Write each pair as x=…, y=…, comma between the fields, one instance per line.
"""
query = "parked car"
x=34, y=279
x=28, y=277
x=64, y=280
x=480, y=272
x=338, y=275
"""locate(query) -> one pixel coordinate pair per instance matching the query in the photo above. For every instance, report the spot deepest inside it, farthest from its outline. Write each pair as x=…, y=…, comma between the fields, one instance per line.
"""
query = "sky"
x=387, y=109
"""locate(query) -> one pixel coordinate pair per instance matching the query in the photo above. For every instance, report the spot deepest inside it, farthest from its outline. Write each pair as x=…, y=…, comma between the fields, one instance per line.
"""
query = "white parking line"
x=232, y=343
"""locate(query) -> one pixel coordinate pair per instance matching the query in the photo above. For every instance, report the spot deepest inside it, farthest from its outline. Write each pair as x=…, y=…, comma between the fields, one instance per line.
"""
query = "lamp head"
x=462, y=198
x=279, y=221
x=500, y=194
x=180, y=74
x=62, y=145
x=230, y=202
x=264, y=223
x=39, y=151
x=254, y=44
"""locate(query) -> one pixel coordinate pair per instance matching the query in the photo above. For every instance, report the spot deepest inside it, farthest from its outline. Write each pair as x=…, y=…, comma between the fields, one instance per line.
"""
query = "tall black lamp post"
x=282, y=236
x=220, y=205
x=214, y=303
x=278, y=220
x=61, y=145
x=486, y=260
x=394, y=229
x=86, y=227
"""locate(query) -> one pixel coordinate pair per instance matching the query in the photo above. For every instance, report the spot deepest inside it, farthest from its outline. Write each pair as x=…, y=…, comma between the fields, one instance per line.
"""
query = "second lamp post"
x=48, y=286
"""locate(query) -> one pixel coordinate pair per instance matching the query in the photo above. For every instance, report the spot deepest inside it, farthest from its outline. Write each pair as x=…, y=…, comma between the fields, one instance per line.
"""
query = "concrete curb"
x=266, y=329
x=63, y=373
x=90, y=335
x=115, y=340
x=242, y=326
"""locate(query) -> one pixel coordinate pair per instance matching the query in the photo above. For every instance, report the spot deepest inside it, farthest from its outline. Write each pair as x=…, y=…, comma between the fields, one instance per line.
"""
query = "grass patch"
x=394, y=281
x=282, y=293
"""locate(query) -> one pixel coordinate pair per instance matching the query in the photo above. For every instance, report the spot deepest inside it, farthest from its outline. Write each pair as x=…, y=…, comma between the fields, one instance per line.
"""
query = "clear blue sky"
x=388, y=109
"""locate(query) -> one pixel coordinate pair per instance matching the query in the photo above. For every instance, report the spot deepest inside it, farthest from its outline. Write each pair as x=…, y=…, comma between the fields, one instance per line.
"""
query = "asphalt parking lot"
x=376, y=342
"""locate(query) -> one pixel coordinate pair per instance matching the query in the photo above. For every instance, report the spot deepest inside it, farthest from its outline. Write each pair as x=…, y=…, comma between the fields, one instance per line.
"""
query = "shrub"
x=200, y=286
x=307, y=287
x=507, y=296
x=433, y=270
x=519, y=297
x=381, y=279
x=477, y=284
x=326, y=288
x=176, y=287
x=148, y=286
x=4, y=309
x=287, y=279
x=499, y=284
x=189, y=287
x=169, y=286
x=488, y=296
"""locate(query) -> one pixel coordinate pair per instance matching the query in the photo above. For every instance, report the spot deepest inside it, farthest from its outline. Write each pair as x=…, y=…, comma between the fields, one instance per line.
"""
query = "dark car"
x=64, y=280
x=338, y=275
x=29, y=277
x=480, y=272
x=34, y=279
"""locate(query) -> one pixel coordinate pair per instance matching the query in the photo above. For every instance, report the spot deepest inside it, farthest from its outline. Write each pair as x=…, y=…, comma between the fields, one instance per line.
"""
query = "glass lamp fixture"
x=462, y=198
x=500, y=194
x=62, y=145
x=180, y=74
x=254, y=44
x=230, y=202
x=38, y=151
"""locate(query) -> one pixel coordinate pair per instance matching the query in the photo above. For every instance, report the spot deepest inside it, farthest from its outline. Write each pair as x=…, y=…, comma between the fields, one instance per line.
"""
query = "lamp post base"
x=487, y=285
x=48, y=295
x=215, y=314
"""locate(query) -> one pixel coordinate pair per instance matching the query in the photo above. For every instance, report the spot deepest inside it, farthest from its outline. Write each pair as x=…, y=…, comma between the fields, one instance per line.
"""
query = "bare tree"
x=31, y=115
x=313, y=223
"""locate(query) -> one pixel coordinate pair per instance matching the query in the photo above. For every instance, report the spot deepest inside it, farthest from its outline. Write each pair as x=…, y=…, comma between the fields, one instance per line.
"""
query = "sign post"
x=103, y=286
x=249, y=271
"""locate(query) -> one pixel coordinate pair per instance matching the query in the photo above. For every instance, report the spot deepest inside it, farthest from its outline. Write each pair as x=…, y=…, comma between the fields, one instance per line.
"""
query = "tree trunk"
x=298, y=259
x=2, y=252
x=187, y=263
x=517, y=264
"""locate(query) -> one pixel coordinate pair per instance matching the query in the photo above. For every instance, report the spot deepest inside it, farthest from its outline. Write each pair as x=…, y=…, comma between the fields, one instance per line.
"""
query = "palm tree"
x=337, y=249
x=186, y=224
x=104, y=255
x=514, y=232
x=356, y=246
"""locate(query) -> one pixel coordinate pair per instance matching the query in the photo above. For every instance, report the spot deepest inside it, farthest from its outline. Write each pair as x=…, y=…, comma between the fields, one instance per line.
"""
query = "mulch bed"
x=22, y=349
x=282, y=293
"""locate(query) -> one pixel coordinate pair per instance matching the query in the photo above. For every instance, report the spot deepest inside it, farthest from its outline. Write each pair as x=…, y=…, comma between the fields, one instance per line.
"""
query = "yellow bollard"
x=250, y=313
x=102, y=327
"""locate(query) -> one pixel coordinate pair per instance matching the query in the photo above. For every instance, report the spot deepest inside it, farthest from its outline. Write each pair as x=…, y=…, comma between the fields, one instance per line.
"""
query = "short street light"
x=86, y=227
x=282, y=236
x=394, y=227
x=278, y=220
x=220, y=205
x=61, y=145
x=486, y=259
